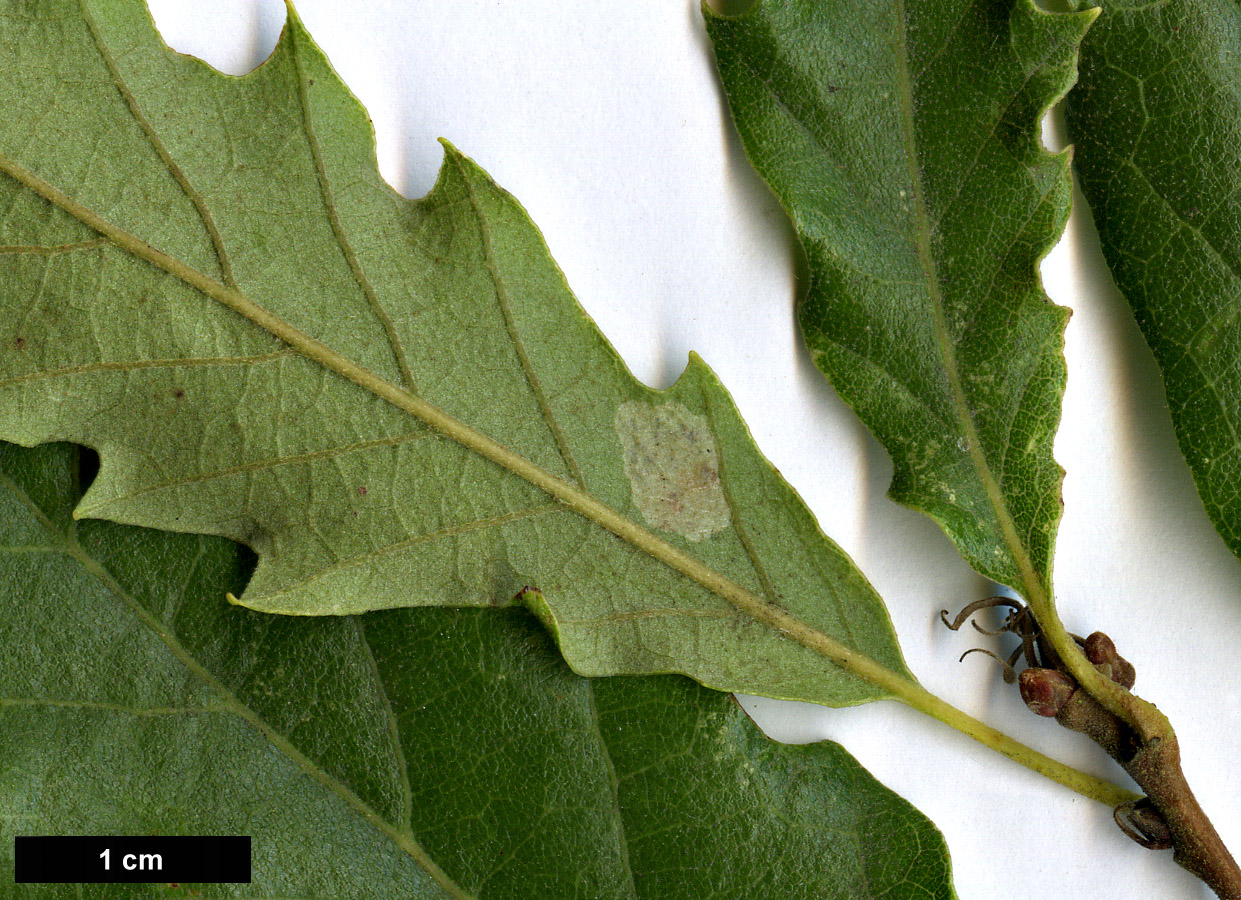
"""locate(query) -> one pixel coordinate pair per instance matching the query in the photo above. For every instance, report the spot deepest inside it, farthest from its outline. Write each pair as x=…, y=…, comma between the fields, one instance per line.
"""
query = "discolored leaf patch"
x=673, y=468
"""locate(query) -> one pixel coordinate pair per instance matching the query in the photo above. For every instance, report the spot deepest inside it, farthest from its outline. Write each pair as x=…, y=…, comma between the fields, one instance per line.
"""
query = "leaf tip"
x=467, y=166
x=453, y=154
x=294, y=28
x=532, y=599
x=699, y=369
x=722, y=10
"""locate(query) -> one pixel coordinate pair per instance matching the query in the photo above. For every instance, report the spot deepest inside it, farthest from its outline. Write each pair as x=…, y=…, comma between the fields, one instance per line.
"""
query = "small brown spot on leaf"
x=179, y=393
x=362, y=491
x=19, y=342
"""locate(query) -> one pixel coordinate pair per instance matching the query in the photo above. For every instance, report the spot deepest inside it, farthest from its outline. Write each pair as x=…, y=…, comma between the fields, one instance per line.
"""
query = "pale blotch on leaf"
x=673, y=468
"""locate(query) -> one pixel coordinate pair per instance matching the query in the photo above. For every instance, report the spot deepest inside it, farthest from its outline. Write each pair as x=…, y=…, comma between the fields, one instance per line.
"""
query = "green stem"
x=572, y=496
x=1105, y=792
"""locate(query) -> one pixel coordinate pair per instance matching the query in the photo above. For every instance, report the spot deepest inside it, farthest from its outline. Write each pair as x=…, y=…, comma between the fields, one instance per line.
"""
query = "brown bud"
x=1045, y=691
x=1142, y=822
x=1123, y=673
x=1100, y=650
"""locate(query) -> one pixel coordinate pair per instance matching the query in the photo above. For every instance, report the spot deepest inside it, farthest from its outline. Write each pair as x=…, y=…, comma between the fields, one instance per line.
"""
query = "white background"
x=606, y=122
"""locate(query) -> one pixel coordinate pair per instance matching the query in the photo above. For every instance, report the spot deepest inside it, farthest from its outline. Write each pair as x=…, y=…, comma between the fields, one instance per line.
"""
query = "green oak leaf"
x=454, y=430
x=902, y=138
x=1157, y=128
x=411, y=753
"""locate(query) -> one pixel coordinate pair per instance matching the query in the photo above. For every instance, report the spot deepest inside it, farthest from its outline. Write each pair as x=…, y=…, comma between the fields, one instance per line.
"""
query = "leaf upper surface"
x=902, y=139
x=122, y=154
x=1158, y=133
x=362, y=752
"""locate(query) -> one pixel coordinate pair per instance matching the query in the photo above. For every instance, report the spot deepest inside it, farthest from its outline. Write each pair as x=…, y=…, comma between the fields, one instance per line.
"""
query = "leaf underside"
x=1157, y=127
x=136, y=700
x=902, y=138
x=205, y=423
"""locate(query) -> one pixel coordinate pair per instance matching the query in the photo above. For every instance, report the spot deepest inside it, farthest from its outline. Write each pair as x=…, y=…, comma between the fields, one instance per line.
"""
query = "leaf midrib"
x=1036, y=593
x=763, y=609
x=898, y=686
x=572, y=496
x=404, y=840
